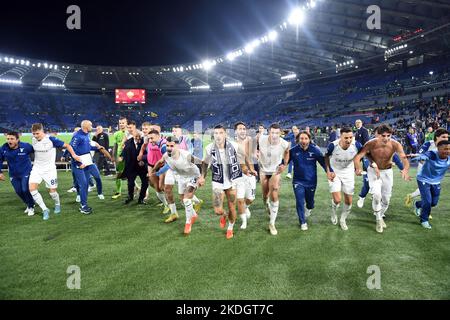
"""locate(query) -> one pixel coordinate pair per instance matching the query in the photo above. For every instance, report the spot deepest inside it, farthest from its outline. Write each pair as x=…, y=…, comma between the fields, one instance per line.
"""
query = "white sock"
x=230, y=226
x=334, y=208
x=273, y=206
x=162, y=197
x=55, y=197
x=173, y=208
x=384, y=208
x=188, y=207
x=416, y=193
x=38, y=199
x=195, y=199
x=345, y=211
x=379, y=215
x=244, y=218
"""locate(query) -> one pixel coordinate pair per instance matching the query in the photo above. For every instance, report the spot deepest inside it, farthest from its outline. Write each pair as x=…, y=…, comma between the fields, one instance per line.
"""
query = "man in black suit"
x=102, y=139
x=361, y=134
x=133, y=167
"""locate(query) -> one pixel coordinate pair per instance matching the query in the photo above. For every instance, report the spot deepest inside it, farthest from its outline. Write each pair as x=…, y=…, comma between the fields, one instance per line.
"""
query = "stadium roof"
x=319, y=39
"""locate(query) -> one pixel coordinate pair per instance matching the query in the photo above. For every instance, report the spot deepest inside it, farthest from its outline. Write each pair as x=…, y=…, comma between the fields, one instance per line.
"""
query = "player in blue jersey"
x=305, y=156
x=436, y=164
x=84, y=167
x=17, y=155
x=440, y=135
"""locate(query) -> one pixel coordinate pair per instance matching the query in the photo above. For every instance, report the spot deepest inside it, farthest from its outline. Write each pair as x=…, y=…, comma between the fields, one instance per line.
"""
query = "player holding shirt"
x=273, y=157
x=44, y=167
x=17, y=154
x=429, y=180
x=341, y=174
x=188, y=177
x=305, y=156
x=84, y=169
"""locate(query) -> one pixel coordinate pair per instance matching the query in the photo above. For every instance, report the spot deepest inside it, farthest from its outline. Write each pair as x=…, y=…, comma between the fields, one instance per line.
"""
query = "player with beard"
x=273, y=156
x=188, y=177
x=246, y=187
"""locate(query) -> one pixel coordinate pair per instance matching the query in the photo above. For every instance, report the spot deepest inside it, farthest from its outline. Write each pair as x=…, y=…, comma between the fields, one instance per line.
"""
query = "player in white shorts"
x=341, y=174
x=188, y=174
x=273, y=155
x=246, y=187
x=380, y=152
x=44, y=167
x=171, y=177
x=226, y=170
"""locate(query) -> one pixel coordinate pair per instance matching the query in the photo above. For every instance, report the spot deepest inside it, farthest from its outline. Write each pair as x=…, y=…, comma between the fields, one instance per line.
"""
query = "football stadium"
x=296, y=150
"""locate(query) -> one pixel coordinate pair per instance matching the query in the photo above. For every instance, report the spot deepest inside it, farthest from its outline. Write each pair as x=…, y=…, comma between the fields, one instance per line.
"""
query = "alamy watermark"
x=74, y=280
x=74, y=20
x=374, y=280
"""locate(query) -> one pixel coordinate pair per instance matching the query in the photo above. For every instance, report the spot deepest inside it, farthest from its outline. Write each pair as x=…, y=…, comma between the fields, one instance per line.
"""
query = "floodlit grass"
x=127, y=252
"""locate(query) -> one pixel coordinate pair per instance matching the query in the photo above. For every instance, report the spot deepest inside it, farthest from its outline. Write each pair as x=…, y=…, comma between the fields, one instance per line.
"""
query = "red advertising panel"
x=130, y=96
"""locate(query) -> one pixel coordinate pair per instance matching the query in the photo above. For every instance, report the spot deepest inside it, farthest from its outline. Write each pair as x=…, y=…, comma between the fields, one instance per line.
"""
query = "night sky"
x=135, y=33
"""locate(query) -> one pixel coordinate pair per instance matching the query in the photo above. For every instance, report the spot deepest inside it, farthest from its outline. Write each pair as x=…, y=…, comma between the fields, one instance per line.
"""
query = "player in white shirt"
x=221, y=155
x=341, y=174
x=182, y=163
x=44, y=167
x=246, y=187
x=273, y=155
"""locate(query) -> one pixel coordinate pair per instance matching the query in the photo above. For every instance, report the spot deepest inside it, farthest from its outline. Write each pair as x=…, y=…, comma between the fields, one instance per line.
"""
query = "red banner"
x=130, y=96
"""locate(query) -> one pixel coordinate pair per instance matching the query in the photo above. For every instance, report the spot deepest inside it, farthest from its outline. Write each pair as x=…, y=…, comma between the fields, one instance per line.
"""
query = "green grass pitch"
x=127, y=252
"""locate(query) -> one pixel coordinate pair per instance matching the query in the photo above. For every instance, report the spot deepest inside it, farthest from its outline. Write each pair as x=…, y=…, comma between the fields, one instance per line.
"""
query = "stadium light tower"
x=297, y=17
x=249, y=49
x=273, y=35
x=208, y=64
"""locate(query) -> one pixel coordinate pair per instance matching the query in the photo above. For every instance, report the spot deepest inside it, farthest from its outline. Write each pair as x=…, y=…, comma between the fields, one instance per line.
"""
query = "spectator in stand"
x=292, y=138
x=333, y=135
x=420, y=136
x=196, y=147
x=429, y=136
x=361, y=134
x=411, y=141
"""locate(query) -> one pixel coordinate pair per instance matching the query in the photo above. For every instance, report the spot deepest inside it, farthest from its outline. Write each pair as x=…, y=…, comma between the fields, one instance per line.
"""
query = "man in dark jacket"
x=135, y=168
x=102, y=139
x=361, y=134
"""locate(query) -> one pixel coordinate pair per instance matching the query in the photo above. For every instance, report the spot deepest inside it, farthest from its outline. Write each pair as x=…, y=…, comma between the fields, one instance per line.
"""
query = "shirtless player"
x=380, y=152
